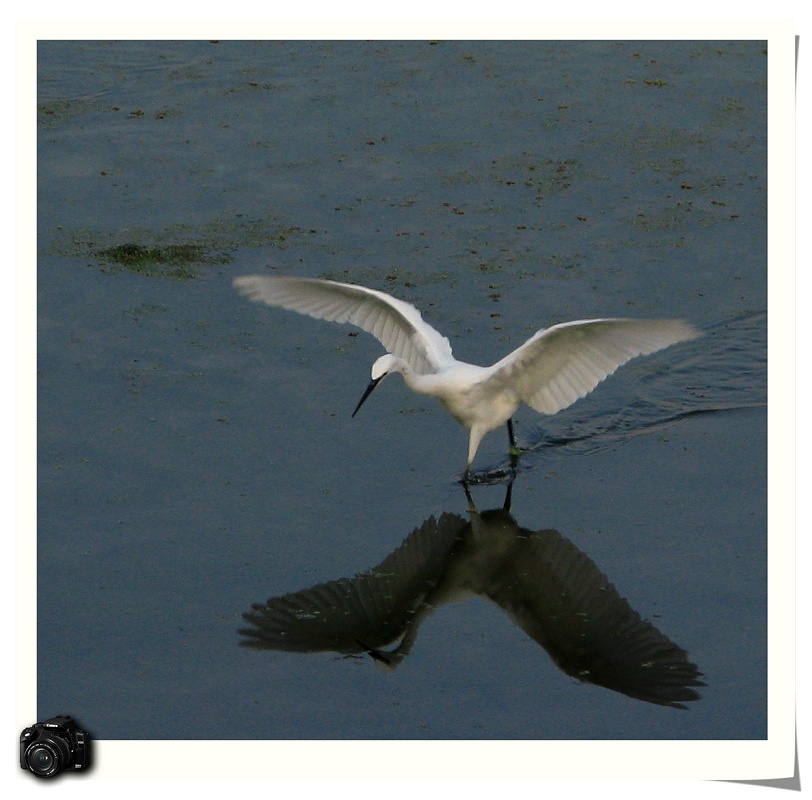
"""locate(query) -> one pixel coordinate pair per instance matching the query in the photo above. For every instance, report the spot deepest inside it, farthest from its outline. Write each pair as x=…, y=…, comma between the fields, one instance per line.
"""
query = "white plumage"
x=549, y=372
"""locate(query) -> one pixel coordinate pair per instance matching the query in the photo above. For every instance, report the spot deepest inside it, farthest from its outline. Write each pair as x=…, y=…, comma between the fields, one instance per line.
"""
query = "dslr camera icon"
x=56, y=745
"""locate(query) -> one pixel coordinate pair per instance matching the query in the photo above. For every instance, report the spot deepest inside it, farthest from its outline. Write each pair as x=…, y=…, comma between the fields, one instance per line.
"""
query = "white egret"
x=549, y=372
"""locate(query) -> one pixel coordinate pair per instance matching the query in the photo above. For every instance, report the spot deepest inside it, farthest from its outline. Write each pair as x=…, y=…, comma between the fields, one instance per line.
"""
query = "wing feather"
x=397, y=325
x=563, y=363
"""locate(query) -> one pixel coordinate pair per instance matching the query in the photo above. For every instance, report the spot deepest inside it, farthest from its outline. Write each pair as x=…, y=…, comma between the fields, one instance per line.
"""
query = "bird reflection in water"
x=554, y=592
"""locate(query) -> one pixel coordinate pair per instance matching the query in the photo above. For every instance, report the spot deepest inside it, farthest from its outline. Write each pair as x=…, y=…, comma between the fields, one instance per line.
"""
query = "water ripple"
x=723, y=371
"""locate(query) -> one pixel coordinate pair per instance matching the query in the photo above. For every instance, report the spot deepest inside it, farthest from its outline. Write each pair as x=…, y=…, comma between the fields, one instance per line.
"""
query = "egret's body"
x=549, y=372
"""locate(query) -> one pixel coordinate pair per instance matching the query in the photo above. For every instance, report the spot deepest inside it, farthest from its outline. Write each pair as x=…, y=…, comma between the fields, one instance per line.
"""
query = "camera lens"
x=46, y=758
x=41, y=760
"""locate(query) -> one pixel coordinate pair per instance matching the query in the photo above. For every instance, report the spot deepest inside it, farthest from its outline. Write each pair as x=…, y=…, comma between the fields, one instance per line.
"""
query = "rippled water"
x=196, y=452
x=728, y=375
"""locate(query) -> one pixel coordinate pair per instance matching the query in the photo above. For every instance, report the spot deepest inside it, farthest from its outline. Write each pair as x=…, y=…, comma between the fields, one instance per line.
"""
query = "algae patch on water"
x=175, y=261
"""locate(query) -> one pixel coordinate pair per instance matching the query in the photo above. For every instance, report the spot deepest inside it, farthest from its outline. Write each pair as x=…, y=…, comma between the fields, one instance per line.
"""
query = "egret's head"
x=383, y=366
x=380, y=369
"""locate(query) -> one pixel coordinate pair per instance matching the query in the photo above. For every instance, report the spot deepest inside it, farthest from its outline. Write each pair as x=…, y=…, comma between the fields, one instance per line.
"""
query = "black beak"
x=367, y=393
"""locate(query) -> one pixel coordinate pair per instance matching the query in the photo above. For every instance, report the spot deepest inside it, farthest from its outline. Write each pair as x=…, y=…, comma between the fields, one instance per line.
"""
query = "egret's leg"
x=515, y=451
x=471, y=504
x=475, y=437
x=509, y=494
x=510, y=434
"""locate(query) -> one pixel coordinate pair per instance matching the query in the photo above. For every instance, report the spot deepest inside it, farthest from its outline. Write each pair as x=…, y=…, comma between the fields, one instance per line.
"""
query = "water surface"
x=196, y=452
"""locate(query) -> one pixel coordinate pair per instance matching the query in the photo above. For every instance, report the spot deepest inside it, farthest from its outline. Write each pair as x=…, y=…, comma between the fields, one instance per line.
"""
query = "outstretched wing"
x=559, y=365
x=371, y=610
x=562, y=600
x=397, y=325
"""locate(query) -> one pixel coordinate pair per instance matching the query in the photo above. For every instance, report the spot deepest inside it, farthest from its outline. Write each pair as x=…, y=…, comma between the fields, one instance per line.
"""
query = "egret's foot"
x=489, y=477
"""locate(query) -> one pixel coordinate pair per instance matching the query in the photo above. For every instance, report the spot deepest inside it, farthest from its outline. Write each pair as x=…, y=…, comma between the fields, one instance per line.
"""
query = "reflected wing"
x=370, y=610
x=560, y=598
x=559, y=365
x=397, y=325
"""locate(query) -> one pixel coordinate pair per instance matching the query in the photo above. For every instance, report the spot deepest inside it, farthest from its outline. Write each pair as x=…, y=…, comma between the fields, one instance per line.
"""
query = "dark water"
x=196, y=452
